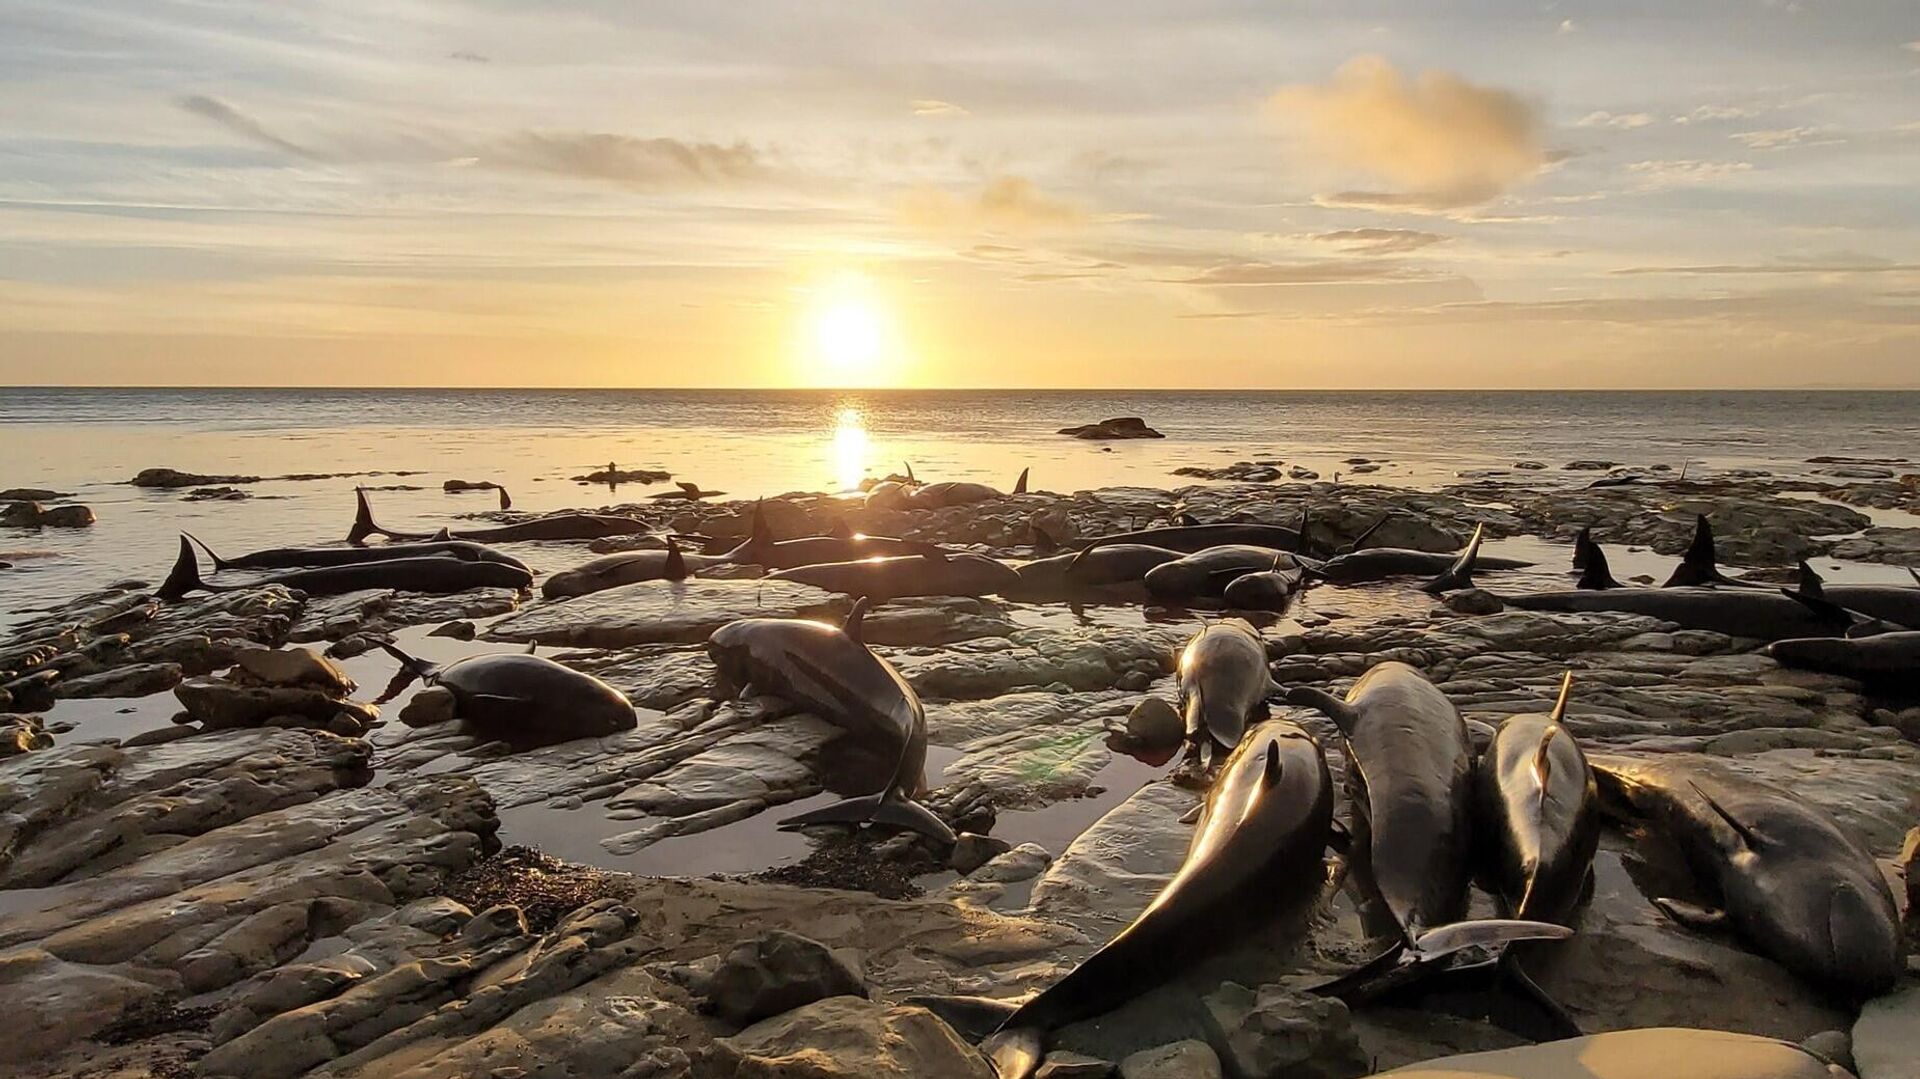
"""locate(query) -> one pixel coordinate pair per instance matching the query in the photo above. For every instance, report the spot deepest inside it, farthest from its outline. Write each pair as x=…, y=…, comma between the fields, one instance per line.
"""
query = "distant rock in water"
x=169, y=479
x=624, y=475
x=217, y=494
x=31, y=494
x=34, y=515
x=453, y=486
x=1243, y=471
x=1118, y=427
x=1589, y=466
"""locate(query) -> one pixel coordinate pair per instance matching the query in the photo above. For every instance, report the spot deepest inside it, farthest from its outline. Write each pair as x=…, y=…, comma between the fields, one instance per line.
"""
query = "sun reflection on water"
x=850, y=446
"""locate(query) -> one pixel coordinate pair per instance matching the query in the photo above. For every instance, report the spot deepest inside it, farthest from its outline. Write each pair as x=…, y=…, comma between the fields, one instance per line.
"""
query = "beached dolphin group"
x=1426, y=816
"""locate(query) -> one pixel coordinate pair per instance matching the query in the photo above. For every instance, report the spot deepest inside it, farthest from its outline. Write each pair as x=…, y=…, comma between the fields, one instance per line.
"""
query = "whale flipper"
x=1342, y=713
x=1016, y=1053
x=1692, y=915
x=886, y=807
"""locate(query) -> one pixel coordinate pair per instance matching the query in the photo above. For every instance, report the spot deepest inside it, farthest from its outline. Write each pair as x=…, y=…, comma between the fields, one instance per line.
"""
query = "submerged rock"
x=34, y=515
x=851, y=1038
x=777, y=973
x=169, y=478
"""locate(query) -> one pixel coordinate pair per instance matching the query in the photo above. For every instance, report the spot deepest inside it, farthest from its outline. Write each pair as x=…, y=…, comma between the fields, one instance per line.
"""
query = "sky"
x=1315, y=194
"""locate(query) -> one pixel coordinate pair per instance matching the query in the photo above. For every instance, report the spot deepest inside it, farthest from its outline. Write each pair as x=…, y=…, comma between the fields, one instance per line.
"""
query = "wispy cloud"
x=1658, y=174
x=1781, y=138
x=930, y=107
x=1623, y=121
x=1443, y=141
x=1381, y=241
x=1304, y=273
x=1005, y=204
x=242, y=125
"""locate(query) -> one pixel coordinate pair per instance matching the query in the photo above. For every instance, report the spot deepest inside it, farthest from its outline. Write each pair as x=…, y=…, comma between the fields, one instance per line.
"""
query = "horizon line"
x=1814, y=388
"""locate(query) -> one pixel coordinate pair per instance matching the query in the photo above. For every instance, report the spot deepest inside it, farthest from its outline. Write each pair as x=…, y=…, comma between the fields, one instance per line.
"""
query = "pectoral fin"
x=1693, y=915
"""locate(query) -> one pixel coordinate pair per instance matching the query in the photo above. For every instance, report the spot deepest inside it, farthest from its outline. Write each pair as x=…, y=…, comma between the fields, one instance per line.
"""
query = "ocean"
x=750, y=443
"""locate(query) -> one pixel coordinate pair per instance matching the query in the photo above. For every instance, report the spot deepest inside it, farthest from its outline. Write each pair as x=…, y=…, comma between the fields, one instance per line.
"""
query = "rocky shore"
x=283, y=882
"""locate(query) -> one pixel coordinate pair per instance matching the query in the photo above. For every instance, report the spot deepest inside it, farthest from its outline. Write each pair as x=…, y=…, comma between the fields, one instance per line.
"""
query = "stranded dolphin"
x=1888, y=660
x=557, y=526
x=1410, y=781
x=1206, y=574
x=931, y=573
x=520, y=698
x=1255, y=855
x=1092, y=568
x=1897, y=604
x=1224, y=686
x=840, y=545
x=307, y=557
x=434, y=574
x=627, y=567
x=1698, y=566
x=829, y=671
x=1381, y=563
x=1782, y=874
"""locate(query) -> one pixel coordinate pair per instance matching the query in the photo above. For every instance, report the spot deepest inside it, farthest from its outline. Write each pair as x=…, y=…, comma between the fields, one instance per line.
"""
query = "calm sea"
x=749, y=443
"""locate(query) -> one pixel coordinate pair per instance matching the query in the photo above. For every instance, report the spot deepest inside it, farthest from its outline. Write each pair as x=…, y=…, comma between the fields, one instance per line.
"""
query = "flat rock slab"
x=1886, y=1040
x=664, y=612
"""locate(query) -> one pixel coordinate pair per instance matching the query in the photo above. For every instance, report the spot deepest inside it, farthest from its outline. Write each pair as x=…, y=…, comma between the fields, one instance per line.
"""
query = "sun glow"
x=850, y=340
x=850, y=448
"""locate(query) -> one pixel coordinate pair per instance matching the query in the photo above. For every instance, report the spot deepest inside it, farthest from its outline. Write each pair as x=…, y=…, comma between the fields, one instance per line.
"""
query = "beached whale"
x=842, y=544
x=1268, y=590
x=1255, y=859
x=1384, y=563
x=1092, y=568
x=627, y=567
x=829, y=671
x=1781, y=874
x=931, y=573
x=309, y=557
x=1224, y=686
x=438, y=574
x=1889, y=661
x=914, y=495
x=1206, y=574
x=1895, y=604
x=522, y=699
x=1410, y=786
x=557, y=526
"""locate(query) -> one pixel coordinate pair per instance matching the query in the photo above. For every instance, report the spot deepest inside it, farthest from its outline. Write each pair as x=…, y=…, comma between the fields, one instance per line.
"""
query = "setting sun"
x=849, y=339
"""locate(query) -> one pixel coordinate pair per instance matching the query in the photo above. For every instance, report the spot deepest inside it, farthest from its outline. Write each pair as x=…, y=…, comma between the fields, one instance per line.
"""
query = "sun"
x=849, y=340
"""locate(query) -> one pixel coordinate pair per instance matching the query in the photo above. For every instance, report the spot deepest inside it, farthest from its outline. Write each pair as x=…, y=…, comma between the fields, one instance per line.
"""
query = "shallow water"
x=751, y=443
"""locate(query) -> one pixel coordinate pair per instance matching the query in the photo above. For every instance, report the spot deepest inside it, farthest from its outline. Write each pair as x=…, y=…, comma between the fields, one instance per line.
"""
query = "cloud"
x=1626, y=121
x=1381, y=241
x=1835, y=264
x=1346, y=271
x=1711, y=113
x=1568, y=26
x=1006, y=204
x=586, y=155
x=242, y=125
x=623, y=159
x=1912, y=46
x=930, y=107
x=1787, y=136
x=1658, y=174
x=1443, y=141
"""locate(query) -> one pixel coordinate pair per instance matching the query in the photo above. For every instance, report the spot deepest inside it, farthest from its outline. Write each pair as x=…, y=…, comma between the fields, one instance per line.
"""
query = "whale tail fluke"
x=973, y=1018
x=1020, y=485
x=1432, y=965
x=1460, y=574
x=411, y=668
x=185, y=575
x=363, y=523
x=885, y=807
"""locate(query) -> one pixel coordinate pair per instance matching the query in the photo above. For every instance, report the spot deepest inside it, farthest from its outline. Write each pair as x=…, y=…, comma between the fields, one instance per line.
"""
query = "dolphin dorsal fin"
x=840, y=530
x=758, y=533
x=506, y=500
x=910, y=476
x=1306, y=525
x=218, y=562
x=1914, y=573
x=1020, y=485
x=1560, y=705
x=1582, y=546
x=675, y=567
x=1810, y=582
x=690, y=488
x=856, y=621
x=1187, y=520
x=1697, y=566
x=1838, y=617
x=1270, y=778
x=445, y=535
x=1543, y=760
x=1597, y=575
x=1364, y=536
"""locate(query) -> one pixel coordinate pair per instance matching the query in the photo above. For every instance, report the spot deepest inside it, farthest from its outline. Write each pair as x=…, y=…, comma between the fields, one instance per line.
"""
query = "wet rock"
x=168, y=478
x=851, y=1038
x=1037, y=766
x=1473, y=601
x=1530, y=466
x=1909, y=863
x=216, y=494
x=434, y=704
x=1276, y=1031
x=1590, y=466
x=458, y=486
x=1024, y=862
x=22, y=734
x=218, y=704
x=624, y=475
x=1119, y=427
x=1154, y=724
x=777, y=973
x=972, y=850
x=1061, y=1064
x=1109, y=873
x=654, y=612
x=1238, y=472
x=1181, y=1060
x=1083, y=660
x=1299, y=473
x=1832, y=1045
x=1886, y=1038
x=1895, y=546
x=35, y=515
x=136, y=680
x=32, y=494
x=53, y=1002
x=459, y=629
x=293, y=667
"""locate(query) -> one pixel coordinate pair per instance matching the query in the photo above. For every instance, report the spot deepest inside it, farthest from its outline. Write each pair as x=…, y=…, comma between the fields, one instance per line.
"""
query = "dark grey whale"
x=433, y=574
x=829, y=671
x=1224, y=686
x=1889, y=661
x=522, y=699
x=1382, y=563
x=627, y=567
x=558, y=526
x=1256, y=856
x=307, y=557
x=1789, y=881
x=931, y=573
